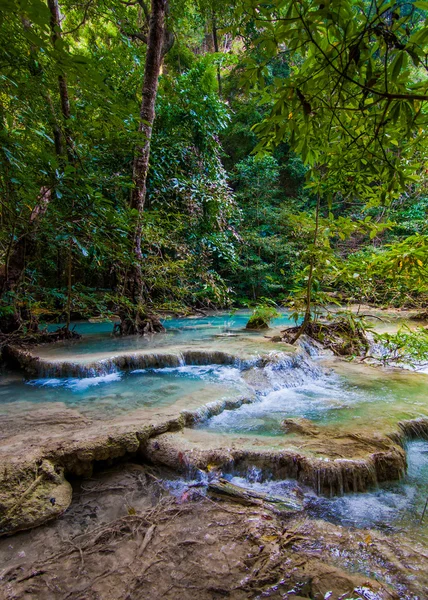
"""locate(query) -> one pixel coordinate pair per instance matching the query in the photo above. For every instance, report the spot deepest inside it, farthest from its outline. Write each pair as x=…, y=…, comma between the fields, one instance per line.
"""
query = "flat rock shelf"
x=208, y=399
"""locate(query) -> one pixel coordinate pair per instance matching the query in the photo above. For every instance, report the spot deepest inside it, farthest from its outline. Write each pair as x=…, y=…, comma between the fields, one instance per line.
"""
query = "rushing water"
x=345, y=395
x=328, y=392
x=395, y=507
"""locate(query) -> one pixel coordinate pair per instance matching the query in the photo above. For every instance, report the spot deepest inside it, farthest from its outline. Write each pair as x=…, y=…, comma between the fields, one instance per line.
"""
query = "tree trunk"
x=16, y=260
x=62, y=79
x=307, y=317
x=154, y=58
x=216, y=49
x=137, y=320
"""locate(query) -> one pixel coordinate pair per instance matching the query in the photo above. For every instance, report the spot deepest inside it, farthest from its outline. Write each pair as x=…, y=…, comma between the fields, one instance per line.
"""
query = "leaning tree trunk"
x=19, y=251
x=137, y=319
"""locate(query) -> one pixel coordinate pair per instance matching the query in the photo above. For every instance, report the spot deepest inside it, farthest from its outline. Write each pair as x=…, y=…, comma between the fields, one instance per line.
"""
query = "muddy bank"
x=124, y=536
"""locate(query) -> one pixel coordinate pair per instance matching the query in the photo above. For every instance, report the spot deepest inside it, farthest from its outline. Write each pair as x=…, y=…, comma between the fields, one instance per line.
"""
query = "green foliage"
x=262, y=315
x=322, y=259
x=394, y=274
x=233, y=181
x=405, y=346
x=355, y=98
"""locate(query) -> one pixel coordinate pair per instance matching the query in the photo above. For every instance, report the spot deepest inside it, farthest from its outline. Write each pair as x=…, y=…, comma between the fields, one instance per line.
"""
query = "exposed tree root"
x=30, y=335
x=341, y=336
x=172, y=549
x=138, y=322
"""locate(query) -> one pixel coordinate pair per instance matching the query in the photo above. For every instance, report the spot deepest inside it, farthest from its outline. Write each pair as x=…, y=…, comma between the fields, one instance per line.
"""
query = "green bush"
x=262, y=316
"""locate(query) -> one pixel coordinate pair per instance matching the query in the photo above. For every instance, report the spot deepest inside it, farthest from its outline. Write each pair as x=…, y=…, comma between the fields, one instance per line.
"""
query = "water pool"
x=117, y=393
x=186, y=332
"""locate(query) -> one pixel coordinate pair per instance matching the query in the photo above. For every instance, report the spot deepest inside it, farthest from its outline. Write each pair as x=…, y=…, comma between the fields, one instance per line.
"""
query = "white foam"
x=77, y=385
x=46, y=382
x=216, y=372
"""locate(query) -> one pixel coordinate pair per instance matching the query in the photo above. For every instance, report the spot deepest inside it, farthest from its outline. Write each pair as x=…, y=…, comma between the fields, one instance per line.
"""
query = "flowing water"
x=348, y=396
x=117, y=393
x=394, y=507
x=328, y=393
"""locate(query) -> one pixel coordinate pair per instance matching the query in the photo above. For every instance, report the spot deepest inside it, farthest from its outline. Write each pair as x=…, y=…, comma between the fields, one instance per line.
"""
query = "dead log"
x=225, y=490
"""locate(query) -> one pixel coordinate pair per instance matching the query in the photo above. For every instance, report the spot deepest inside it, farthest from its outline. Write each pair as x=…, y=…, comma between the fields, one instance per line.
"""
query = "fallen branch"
x=147, y=539
x=224, y=489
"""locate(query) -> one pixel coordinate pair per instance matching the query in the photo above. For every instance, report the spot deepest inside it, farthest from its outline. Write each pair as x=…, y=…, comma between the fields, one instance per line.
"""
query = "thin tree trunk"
x=69, y=283
x=62, y=79
x=71, y=157
x=216, y=49
x=158, y=43
x=307, y=317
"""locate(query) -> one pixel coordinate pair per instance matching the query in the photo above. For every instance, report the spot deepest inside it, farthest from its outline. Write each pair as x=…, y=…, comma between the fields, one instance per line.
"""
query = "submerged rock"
x=300, y=426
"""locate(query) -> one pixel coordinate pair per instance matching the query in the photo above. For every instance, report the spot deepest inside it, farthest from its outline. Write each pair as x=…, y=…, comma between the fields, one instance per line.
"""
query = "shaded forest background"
x=225, y=223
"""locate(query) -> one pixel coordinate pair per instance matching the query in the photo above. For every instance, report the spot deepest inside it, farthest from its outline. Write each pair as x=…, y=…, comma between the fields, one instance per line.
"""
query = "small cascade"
x=125, y=362
x=287, y=371
x=328, y=477
x=312, y=348
x=414, y=429
x=213, y=409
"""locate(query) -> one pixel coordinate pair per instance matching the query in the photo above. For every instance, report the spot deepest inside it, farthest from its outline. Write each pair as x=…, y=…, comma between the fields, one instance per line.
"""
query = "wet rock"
x=31, y=497
x=368, y=463
x=300, y=426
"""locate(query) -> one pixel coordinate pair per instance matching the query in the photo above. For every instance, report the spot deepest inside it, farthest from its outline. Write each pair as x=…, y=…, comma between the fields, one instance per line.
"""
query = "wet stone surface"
x=210, y=397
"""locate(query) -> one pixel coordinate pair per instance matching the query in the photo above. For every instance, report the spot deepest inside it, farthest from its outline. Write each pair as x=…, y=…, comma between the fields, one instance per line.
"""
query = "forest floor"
x=126, y=537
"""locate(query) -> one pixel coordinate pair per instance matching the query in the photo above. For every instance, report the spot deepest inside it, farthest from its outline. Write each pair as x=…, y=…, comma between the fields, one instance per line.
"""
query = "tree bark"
x=159, y=41
x=62, y=79
x=154, y=58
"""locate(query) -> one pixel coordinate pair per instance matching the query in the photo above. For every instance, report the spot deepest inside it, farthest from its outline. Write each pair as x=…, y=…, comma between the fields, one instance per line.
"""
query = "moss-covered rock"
x=31, y=494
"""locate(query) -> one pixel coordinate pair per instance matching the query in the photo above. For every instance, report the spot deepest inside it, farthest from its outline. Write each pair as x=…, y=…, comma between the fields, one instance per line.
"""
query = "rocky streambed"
x=216, y=403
